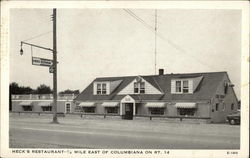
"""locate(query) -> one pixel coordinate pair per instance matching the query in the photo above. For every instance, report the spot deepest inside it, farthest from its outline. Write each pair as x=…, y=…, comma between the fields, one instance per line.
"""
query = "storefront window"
x=186, y=111
x=47, y=108
x=112, y=110
x=157, y=111
x=27, y=108
x=89, y=109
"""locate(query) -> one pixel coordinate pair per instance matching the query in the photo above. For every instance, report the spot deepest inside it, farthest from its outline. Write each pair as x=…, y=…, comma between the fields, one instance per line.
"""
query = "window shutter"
x=190, y=86
x=173, y=86
x=108, y=87
x=94, y=88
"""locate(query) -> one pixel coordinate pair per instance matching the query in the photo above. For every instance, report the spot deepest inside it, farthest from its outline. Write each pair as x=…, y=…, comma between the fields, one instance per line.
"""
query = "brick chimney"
x=161, y=71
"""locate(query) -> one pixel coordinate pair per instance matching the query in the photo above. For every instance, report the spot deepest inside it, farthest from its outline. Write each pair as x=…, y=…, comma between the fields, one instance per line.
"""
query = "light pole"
x=47, y=62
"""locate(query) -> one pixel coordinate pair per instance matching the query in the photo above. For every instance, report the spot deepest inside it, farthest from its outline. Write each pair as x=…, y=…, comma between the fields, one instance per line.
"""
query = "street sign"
x=41, y=61
x=51, y=69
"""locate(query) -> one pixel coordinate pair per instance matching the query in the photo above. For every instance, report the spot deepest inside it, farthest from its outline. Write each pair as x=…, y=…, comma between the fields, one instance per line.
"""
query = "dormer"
x=185, y=85
x=101, y=88
x=139, y=86
x=105, y=87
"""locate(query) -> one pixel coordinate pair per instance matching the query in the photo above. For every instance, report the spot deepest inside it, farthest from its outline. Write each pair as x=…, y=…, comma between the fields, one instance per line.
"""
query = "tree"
x=43, y=89
x=16, y=89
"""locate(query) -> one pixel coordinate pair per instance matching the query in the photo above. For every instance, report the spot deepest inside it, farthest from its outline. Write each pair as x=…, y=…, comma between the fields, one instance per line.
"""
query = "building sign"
x=41, y=61
x=127, y=99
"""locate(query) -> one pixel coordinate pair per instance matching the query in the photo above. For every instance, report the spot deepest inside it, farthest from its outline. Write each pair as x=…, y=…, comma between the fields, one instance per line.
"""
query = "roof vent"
x=161, y=71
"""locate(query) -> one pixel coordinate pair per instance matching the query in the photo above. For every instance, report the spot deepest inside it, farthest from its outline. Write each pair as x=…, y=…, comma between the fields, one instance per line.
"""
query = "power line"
x=42, y=34
x=139, y=19
x=177, y=47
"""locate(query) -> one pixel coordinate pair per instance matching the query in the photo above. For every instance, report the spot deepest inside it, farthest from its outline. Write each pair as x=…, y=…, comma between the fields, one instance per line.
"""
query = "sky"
x=95, y=43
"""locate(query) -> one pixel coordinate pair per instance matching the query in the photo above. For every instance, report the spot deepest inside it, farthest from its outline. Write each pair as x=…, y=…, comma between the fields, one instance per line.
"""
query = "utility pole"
x=49, y=63
x=54, y=68
x=155, y=37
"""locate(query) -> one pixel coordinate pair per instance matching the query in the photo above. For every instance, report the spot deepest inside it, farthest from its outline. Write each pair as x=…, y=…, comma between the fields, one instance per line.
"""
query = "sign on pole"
x=41, y=61
x=51, y=69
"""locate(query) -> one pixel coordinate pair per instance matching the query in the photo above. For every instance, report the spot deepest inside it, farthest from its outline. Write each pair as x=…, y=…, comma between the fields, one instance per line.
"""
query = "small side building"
x=42, y=103
x=198, y=95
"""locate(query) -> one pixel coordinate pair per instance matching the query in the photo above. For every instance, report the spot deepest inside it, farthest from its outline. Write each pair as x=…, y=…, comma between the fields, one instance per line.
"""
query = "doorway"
x=68, y=108
x=128, y=111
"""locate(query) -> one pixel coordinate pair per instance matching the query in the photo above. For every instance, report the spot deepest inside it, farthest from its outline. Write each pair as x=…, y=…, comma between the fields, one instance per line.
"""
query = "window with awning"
x=186, y=109
x=110, y=104
x=45, y=103
x=88, y=107
x=87, y=104
x=157, y=111
x=186, y=105
x=46, y=108
x=111, y=110
x=155, y=105
x=156, y=108
x=26, y=103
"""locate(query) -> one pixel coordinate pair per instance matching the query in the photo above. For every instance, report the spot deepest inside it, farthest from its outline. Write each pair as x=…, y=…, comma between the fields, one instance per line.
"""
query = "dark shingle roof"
x=205, y=90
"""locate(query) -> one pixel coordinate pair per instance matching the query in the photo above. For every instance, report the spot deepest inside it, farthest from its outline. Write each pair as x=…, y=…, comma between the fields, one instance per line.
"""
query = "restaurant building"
x=191, y=95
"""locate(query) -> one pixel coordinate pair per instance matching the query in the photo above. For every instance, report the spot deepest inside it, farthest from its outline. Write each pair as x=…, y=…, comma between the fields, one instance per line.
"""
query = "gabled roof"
x=205, y=90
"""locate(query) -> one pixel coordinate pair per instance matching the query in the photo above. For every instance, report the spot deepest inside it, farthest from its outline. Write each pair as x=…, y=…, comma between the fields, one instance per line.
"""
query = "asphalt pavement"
x=74, y=132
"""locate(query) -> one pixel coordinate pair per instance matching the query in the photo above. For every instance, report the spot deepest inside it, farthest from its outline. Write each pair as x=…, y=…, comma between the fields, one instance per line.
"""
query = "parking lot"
x=33, y=131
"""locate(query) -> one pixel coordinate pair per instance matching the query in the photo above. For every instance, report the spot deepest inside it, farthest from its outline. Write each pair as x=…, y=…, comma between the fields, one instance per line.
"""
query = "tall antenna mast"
x=155, y=36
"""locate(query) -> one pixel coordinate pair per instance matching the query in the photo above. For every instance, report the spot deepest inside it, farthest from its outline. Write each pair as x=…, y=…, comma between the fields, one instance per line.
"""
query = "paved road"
x=117, y=134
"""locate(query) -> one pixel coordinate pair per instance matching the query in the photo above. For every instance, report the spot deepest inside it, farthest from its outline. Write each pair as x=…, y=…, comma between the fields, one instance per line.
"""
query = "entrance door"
x=68, y=108
x=128, y=111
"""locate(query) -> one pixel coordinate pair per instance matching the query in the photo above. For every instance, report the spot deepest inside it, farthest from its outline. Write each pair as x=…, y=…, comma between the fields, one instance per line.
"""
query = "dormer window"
x=142, y=87
x=139, y=87
x=181, y=86
x=178, y=86
x=185, y=86
x=136, y=87
x=101, y=88
x=104, y=88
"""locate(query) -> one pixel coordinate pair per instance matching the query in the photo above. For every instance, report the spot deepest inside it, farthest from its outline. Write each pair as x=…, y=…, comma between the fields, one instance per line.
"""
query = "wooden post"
x=55, y=68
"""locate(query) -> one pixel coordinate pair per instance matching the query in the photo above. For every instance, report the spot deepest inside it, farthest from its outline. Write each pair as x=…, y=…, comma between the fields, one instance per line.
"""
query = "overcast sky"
x=110, y=42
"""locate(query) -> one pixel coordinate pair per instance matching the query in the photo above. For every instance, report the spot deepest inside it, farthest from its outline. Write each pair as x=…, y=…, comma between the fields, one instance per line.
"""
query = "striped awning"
x=26, y=103
x=185, y=105
x=155, y=105
x=110, y=104
x=87, y=104
x=45, y=103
